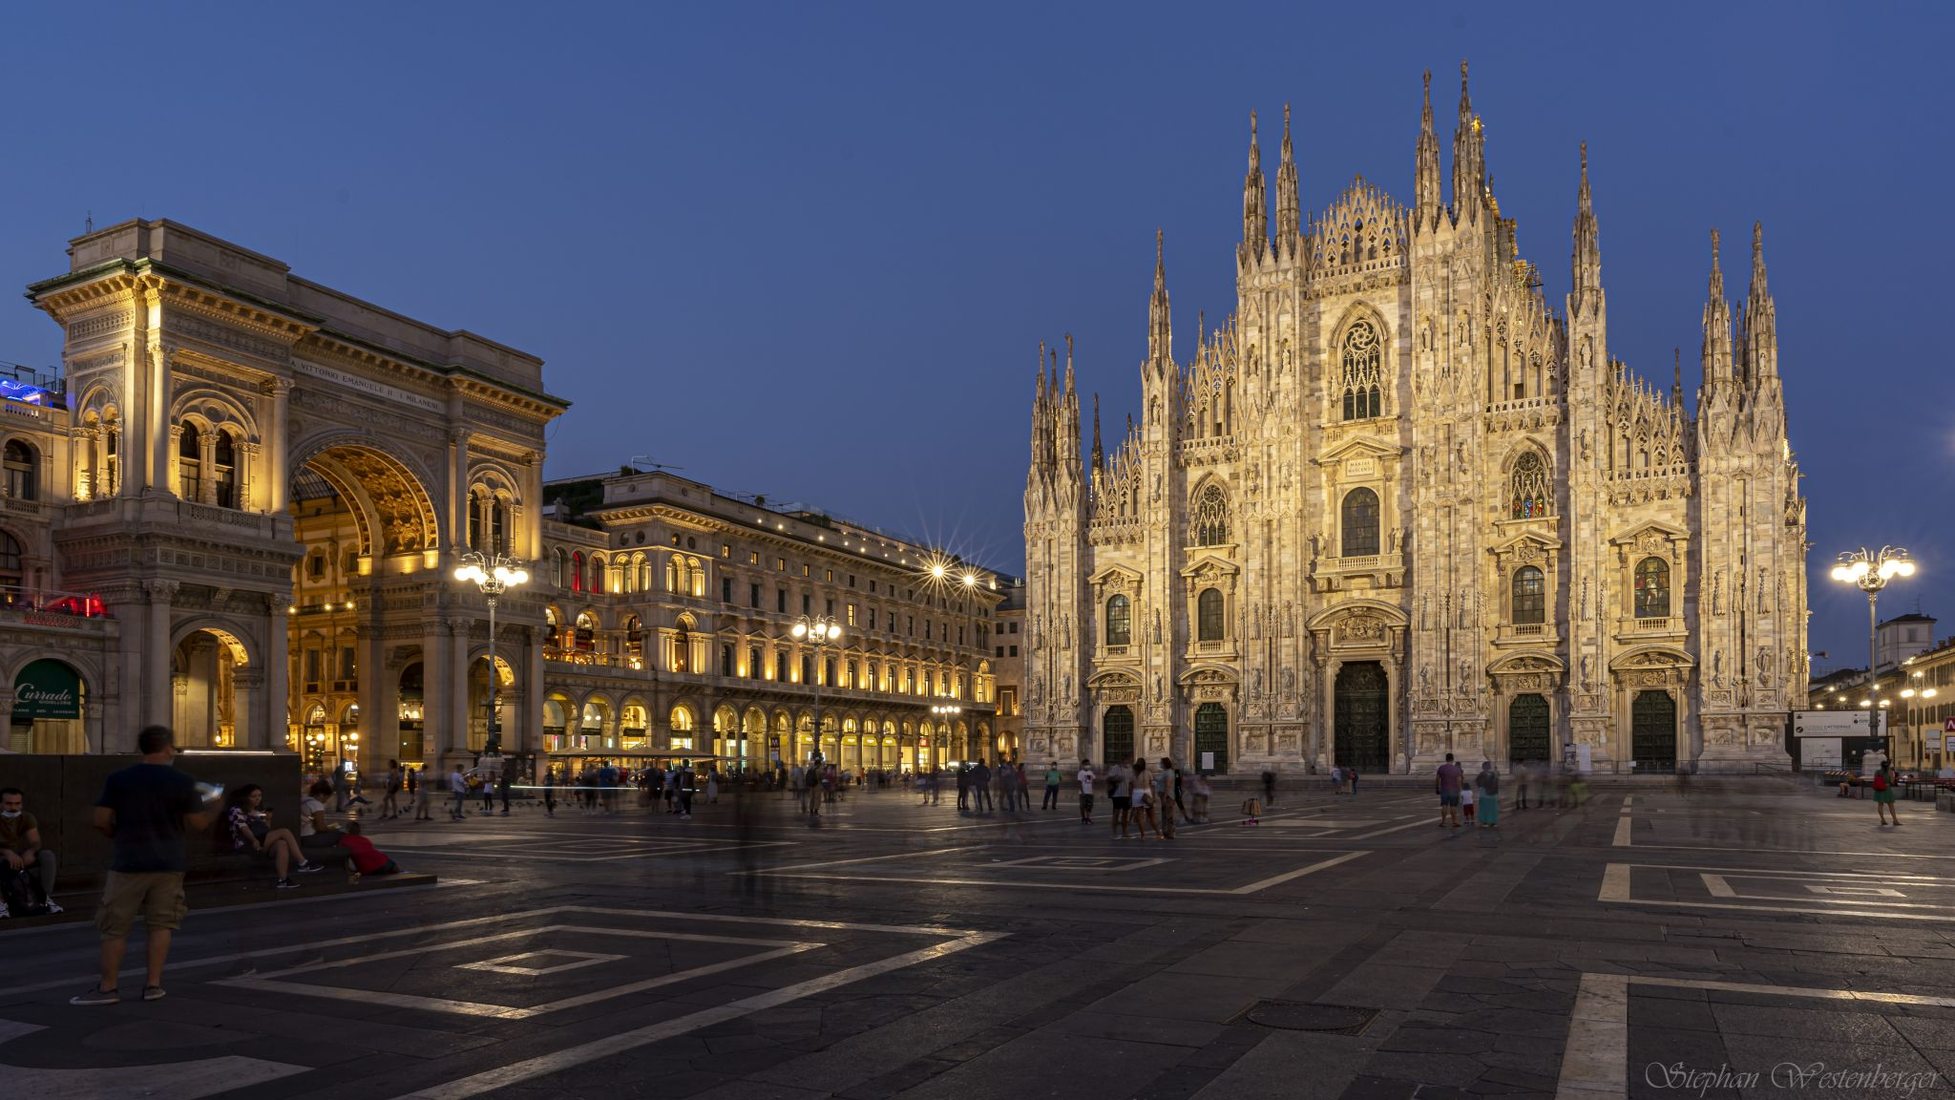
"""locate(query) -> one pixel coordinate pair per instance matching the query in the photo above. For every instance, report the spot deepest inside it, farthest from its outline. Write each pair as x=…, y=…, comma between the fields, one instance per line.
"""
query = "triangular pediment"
x=1117, y=576
x=1358, y=446
x=1657, y=528
x=1527, y=661
x=1211, y=565
x=1536, y=539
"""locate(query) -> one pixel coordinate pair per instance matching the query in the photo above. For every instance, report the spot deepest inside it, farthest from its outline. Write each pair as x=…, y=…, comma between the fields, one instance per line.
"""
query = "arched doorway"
x=1653, y=732
x=1117, y=735
x=1212, y=736
x=367, y=529
x=1363, y=722
x=1527, y=730
x=205, y=711
x=413, y=712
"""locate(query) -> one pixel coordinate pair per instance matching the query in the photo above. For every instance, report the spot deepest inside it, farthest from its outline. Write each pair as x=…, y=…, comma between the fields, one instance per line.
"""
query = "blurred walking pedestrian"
x=1488, y=783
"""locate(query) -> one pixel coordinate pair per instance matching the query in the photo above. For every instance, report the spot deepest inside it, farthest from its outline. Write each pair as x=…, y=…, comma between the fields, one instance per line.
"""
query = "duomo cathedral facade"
x=1397, y=506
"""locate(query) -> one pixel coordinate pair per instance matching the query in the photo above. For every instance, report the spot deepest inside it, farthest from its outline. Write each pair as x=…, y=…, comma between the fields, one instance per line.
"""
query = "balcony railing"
x=1658, y=624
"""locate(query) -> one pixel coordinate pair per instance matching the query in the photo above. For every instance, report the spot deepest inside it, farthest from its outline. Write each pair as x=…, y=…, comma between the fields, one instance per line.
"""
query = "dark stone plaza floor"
x=1750, y=938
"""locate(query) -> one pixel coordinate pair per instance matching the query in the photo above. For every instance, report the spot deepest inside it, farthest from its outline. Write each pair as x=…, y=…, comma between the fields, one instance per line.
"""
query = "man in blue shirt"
x=144, y=811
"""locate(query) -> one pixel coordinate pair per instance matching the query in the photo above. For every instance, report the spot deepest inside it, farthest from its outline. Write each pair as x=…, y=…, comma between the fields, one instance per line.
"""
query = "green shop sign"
x=47, y=689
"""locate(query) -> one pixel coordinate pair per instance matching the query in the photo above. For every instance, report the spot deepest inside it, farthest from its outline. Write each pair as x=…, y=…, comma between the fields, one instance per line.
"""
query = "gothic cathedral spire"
x=1761, y=319
x=1160, y=332
x=1469, y=158
x=1255, y=215
x=1427, y=200
x=1717, y=330
x=1099, y=453
x=1289, y=221
x=1587, y=261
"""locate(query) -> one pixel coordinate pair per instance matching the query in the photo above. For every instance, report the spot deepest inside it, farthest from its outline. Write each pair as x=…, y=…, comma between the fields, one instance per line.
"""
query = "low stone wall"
x=61, y=793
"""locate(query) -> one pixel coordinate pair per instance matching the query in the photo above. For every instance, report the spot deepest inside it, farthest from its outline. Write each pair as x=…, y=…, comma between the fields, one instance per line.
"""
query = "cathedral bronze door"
x=1117, y=738
x=1212, y=736
x=1527, y=730
x=1363, y=738
x=1653, y=732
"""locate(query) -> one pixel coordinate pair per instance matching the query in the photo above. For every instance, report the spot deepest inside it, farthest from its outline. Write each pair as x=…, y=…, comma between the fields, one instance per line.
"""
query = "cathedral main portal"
x=1363, y=723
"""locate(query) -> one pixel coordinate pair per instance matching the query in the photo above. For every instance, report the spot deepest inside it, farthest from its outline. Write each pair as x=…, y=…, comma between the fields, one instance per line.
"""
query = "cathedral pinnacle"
x=1255, y=217
x=1099, y=454
x=1289, y=221
x=1761, y=345
x=1160, y=332
x=1587, y=281
x=1426, y=163
x=1717, y=329
x=1469, y=157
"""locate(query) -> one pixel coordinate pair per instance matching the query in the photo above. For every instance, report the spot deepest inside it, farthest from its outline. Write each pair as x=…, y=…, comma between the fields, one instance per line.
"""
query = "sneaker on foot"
x=53, y=907
x=153, y=993
x=3, y=911
x=96, y=996
x=285, y=884
x=307, y=867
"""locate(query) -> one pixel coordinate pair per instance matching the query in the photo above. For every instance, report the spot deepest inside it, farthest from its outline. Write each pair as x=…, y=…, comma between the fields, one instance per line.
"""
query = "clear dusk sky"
x=808, y=250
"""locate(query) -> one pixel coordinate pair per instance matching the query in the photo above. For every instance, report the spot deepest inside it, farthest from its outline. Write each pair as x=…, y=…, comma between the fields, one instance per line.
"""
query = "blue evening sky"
x=809, y=250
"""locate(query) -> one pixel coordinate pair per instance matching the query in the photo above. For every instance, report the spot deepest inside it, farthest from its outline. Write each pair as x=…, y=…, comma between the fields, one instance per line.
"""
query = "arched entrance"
x=1527, y=730
x=1212, y=736
x=1117, y=735
x=367, y=529
x=205, y=711
x=1653, y=732
x=1363, y=730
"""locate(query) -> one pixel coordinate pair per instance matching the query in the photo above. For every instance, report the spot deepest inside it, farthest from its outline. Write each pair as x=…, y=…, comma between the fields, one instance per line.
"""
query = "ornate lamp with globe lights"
x=493, y=574
x=1870, y=572
x=820, y=631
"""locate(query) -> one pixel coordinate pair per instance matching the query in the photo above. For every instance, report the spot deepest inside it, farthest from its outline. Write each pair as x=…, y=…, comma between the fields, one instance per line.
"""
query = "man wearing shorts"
x=1086, y=778
x=144, y=811
x=1447, y=783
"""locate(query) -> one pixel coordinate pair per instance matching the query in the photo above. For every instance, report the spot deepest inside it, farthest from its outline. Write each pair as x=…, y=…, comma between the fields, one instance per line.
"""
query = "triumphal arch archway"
x=270, y=482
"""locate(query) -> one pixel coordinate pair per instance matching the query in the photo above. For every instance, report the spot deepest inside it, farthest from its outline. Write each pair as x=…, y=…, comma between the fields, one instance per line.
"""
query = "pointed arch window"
x=1210, y=521
x=1360, y=516
x=22, y=470
x=1652, y=588
x=1119, y=621
x=1363, y=374
x=1530, y=595
x=1527, y=490
x=1208, y=615
x=189, y=462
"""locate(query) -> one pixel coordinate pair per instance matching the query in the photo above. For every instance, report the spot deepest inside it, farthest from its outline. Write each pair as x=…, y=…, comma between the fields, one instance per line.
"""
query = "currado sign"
x=47, y=689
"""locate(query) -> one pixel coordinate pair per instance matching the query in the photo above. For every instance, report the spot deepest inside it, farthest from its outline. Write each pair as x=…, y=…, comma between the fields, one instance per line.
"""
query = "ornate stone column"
x=159, y=697
x=452, y=733
x=248, y=690
x=278, y=446
x=273, y=725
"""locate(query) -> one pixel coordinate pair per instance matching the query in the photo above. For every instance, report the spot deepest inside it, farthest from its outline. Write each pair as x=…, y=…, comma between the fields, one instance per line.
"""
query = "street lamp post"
x=1870, y=572
x=945, y=712
x=493, y=574
x=819, y=630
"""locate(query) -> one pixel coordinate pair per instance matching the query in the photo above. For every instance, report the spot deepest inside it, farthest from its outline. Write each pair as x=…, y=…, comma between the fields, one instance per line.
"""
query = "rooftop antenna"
x=650, y=465
x=88, y=223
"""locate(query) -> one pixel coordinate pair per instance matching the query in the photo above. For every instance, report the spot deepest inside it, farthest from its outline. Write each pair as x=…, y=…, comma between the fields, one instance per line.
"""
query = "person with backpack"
x=389, y=799
x=1884, y=795
x=26, y=869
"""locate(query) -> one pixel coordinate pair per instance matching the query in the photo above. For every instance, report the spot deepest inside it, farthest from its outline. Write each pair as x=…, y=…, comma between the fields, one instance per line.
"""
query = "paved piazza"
x=1745, y=938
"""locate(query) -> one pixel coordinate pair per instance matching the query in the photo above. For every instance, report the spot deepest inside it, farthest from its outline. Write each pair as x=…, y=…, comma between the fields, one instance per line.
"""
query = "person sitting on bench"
x=315, y=832
x=21, y=854
x=250, y=832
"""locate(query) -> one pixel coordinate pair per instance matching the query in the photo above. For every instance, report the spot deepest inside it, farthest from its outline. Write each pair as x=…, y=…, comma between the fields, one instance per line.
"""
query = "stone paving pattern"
x=934, y=955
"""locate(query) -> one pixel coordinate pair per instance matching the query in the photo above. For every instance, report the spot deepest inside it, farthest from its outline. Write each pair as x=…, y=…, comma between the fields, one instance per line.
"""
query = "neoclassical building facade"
x=669, y=611
x=1396, y=505
x=241, y=516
